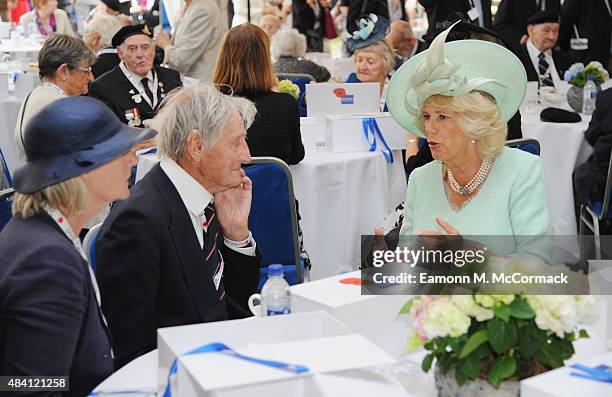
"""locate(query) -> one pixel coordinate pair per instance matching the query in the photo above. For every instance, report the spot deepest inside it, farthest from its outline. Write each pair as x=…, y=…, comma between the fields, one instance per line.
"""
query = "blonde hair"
x=478, y=118
x=384, y=50
x=70, y=196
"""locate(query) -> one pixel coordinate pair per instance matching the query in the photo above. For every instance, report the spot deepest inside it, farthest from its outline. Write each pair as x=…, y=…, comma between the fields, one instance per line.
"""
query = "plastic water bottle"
x=276, y=294
x=588, y=97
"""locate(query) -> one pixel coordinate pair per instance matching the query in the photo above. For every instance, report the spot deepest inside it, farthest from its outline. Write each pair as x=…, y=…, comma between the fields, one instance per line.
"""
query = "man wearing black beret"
x=135, y=88
x=541, y=60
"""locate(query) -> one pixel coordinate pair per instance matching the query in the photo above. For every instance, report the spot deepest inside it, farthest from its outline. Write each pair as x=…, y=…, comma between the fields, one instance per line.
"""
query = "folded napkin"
x=556, y=115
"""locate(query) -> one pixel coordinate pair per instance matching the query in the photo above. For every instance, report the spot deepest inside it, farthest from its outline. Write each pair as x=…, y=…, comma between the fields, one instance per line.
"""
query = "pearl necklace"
x=472, y=185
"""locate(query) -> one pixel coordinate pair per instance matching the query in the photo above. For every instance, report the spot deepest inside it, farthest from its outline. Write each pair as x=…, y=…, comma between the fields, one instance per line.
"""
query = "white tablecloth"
x=562, y=147
x=341, y=196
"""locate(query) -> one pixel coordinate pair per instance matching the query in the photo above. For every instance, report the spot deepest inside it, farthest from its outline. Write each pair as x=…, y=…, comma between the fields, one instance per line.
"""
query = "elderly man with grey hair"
x=98, y=37
x=179, y=250
x=288, y=47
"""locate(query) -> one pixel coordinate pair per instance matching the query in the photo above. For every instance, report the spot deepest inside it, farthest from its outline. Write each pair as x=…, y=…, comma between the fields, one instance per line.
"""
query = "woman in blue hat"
x=460, y=95
x=79, y=159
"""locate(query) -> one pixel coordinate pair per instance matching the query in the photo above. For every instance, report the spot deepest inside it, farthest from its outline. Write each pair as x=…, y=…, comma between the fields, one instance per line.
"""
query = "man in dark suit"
x=586, y=28
x=179, y=250
x=134, y=89
x=354, y=10
x=474, y=11
x=511, y=18
x=539, y=55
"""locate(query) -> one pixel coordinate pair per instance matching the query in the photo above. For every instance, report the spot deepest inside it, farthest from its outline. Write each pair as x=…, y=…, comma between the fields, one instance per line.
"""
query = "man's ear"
x=529, y=30
x=195, y=147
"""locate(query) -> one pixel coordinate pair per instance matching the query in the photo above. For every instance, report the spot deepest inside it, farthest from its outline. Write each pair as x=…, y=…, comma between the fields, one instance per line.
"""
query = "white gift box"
x=345, y=133
x=312, y=130
x=559, y=382
x=374, y=316
x=222, y=374
x=175, y=341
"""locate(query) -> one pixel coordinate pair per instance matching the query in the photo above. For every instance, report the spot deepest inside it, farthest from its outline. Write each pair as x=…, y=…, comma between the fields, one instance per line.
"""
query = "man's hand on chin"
x=233, y=206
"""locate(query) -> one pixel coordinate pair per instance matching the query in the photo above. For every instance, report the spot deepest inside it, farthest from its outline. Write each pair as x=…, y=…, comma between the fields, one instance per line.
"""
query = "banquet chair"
x=595, y=212
x=273, y=218
x=526, y=144
x=301, y=79
x=89, y=245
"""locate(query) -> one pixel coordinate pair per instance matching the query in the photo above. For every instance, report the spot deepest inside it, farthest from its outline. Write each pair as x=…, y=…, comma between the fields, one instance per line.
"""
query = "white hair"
x=105, y=25
x=203, y=108
x=288, y=42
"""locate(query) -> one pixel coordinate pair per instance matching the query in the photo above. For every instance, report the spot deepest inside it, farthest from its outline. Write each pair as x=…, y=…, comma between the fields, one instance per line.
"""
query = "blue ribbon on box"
x=372, y=133
x=602, y=373
x=220, y=347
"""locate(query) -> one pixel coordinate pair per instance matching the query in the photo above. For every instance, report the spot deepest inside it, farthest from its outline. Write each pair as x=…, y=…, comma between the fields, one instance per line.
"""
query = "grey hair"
x=203, y=108
x=105, y=25
x=288, y=42
x=59, y=49
x=385, y=51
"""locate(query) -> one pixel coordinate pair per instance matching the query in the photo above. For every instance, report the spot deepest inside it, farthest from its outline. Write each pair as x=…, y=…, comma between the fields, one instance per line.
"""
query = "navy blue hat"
x=545, y=16
x=128, y=31
x=371, y=30
x=69, y=137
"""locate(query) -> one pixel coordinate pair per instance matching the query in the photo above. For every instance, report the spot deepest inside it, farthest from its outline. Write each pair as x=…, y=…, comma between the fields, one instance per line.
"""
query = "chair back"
x=89, y=245
x=273, y=217
x=6, y=202
x=525, y=144
x=300, y=79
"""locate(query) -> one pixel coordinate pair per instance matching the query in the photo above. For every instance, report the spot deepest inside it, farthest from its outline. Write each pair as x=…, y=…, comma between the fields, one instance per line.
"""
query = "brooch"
x=137, y=98
x=132, y=92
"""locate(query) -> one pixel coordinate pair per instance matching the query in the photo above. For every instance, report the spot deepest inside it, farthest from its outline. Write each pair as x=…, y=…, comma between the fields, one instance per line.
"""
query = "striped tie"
x=213, y=260
x=543, y=69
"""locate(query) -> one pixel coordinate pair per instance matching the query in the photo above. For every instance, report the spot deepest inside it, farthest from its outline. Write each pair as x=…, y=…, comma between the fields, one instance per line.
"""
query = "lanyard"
x=138, y=85
x=54, y=87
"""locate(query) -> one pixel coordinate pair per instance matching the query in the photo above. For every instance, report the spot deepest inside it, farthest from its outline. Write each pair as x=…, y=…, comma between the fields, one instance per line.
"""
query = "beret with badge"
x=128, y=31
x=556, y=115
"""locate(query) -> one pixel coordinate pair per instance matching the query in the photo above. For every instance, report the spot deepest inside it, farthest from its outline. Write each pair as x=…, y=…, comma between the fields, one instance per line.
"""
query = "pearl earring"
x=473, y=141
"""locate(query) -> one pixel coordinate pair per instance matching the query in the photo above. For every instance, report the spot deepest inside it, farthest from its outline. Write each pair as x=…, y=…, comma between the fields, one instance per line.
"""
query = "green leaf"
x=483, y=351
x=460, y=377
x=583, y=334
x=502, y=312
x=503, y=368
x=406, y=308
x=519, y=308
x=469, y=366
x=502, y=335
x=529, y=344
x=477, y=339
x=549, y=356
x=427, y=361
x=564, y=347
x=445, y=362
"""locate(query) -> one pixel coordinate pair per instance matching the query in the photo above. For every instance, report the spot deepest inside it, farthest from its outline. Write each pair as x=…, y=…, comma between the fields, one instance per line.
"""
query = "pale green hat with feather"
x=455, y=69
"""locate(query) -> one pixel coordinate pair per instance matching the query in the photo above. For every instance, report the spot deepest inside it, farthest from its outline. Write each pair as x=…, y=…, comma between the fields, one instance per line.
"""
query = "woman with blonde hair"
x=79, y=159
x=47, y=17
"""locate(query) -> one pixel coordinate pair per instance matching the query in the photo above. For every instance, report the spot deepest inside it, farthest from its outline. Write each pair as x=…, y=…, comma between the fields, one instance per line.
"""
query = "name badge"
x=579, y=44
x=474, y=14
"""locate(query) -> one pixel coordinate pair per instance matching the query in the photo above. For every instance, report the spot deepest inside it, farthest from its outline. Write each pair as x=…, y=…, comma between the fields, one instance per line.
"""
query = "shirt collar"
x=534, y=52
x=194, y=196
x=136, y=77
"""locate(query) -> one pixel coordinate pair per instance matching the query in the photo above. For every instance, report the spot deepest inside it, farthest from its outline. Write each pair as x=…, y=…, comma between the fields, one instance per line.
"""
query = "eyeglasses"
x=85, y=70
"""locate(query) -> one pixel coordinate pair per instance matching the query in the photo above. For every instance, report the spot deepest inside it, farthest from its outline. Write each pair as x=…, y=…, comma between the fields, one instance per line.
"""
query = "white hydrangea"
x=492, y=300
x=556, y=313
x=467, y=305
x=442, y=318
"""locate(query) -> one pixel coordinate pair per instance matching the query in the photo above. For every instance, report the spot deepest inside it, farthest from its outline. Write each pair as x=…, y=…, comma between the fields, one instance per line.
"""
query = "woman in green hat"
x=460, y=95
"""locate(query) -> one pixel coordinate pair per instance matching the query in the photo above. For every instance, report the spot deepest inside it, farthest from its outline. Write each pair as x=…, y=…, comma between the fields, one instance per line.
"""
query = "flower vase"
x=574, y=97
x=448, y=387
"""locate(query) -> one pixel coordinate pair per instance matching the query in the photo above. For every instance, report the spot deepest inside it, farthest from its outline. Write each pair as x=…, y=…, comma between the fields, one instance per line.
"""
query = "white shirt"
x=534, y=54
x=137, y=83
x=195, y=198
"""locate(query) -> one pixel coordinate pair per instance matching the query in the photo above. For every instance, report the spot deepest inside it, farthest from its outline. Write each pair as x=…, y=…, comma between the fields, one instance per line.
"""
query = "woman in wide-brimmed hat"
x=79, y=159
x=459, y=95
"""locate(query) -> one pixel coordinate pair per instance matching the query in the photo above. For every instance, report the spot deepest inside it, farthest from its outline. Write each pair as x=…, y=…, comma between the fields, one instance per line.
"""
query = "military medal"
x=133, y=117
x=137, y=98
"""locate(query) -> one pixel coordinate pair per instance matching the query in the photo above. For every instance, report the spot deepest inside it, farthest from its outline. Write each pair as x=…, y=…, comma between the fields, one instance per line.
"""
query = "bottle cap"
x=275, y=270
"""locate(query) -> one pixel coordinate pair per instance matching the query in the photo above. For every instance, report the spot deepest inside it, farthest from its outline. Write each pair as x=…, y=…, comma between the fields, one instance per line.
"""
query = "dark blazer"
x=304, y=20
x=562, y=60
x=150, y=268
x=511, y=18
x=594, y=22
x=116, y=91
x=276, y=130
x=358, y=9
x=50, y=322
x=104, y=63
x=441, y=10
x=590, y=177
